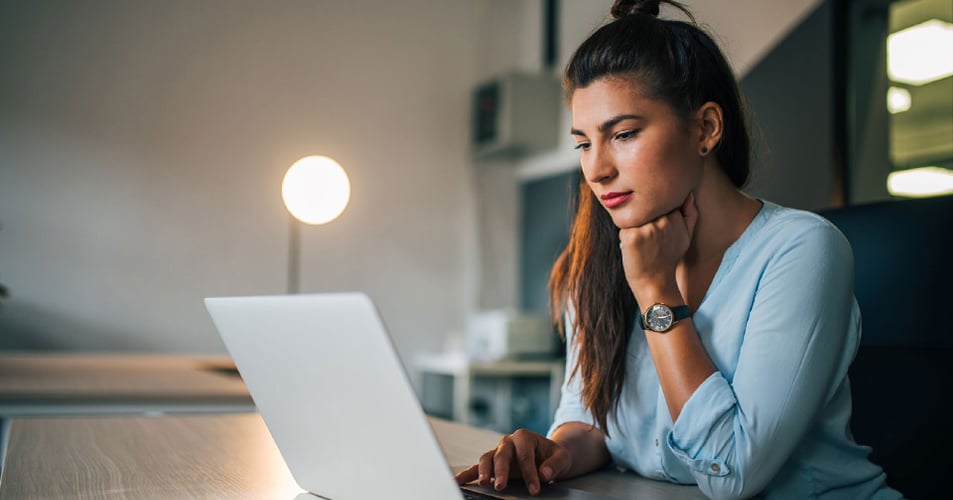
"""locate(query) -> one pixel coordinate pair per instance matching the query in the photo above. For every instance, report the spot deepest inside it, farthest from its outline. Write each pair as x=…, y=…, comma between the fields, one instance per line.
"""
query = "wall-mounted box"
x=494, y=335
x=516, y=113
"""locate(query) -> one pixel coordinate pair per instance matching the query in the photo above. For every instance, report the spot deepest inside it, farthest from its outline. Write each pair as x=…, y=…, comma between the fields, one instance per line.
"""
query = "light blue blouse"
x=781, y=325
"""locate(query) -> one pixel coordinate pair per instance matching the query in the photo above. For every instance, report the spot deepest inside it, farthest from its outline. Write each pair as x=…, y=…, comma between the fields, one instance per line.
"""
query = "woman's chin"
x=628, y=221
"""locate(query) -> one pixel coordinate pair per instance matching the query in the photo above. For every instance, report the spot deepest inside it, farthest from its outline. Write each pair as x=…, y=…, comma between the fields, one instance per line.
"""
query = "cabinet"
x=498, y=395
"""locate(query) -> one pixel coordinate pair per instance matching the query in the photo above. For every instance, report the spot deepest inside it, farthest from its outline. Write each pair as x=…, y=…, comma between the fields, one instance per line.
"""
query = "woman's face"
x=638, y=158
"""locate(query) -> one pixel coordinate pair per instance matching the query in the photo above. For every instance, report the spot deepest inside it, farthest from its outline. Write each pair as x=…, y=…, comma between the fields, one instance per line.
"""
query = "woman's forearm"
x=679, y=356
x=585, y=444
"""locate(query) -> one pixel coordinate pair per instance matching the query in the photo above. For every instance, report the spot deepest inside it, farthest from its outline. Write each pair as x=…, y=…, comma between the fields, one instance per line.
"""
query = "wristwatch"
x=660, y=318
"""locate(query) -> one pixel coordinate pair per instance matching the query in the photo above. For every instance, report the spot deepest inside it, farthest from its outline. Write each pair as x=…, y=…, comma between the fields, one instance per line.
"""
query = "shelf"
x=499, y=395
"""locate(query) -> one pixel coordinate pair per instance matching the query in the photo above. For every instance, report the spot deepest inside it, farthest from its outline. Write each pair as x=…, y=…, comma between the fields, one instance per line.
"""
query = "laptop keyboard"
x=473, y=495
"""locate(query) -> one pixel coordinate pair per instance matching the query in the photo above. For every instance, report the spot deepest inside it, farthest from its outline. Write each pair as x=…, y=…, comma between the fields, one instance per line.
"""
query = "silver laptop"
x=330, y=386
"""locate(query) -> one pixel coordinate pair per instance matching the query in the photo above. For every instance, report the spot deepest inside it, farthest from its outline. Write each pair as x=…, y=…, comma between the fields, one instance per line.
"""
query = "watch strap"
x=680, y=312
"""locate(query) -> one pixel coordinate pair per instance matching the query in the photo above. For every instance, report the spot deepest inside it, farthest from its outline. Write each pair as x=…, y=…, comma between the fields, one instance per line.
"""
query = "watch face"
x=659, y=318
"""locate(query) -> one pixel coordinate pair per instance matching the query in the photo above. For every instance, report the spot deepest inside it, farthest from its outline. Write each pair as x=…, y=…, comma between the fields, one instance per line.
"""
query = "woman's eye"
x=628, y=134
x=582, y=145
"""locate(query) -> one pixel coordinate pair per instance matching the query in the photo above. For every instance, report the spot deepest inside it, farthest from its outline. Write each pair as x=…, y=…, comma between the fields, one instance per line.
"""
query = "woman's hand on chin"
x=651, y=252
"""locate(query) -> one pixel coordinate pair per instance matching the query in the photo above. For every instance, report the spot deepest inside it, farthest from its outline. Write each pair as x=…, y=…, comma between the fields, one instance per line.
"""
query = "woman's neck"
x=724, y=212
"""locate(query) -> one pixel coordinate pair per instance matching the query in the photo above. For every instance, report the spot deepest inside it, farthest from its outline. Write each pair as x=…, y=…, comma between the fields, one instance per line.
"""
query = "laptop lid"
x=332, y=391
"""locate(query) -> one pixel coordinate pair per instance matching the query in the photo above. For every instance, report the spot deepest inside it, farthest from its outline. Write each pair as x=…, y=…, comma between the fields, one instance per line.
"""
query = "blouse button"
x=715, y=468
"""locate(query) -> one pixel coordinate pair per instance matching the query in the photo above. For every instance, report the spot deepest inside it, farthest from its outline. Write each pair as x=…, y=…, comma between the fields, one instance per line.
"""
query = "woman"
x=709, y=332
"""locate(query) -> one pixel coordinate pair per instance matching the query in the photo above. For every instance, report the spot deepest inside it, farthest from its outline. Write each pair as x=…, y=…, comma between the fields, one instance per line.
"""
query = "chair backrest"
x=901, y=377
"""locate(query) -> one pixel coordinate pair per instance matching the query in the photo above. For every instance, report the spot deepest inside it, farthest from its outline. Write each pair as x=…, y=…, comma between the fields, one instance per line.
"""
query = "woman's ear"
x=710, y=119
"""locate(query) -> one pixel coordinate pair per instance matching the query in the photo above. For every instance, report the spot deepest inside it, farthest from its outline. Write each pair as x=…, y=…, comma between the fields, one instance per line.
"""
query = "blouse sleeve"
x=736, y=434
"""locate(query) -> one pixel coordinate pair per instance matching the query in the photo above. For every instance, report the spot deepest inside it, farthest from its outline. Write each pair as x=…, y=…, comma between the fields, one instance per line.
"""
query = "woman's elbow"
x=731, y=488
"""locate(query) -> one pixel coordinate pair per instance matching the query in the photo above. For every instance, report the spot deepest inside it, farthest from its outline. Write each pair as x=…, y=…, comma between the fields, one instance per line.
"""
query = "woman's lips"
x=612, y=200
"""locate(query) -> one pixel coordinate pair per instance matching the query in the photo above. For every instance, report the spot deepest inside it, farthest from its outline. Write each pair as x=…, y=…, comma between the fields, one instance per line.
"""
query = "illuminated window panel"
x=920, y=182
x=921, y=54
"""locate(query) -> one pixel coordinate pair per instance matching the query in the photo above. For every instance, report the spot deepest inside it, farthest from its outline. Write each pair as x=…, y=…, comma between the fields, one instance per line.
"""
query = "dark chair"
x=902, y=377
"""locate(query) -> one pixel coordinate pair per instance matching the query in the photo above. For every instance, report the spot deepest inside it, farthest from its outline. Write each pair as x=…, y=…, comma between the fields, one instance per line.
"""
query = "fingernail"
x=546, y=472
x=498, y=484
x=533, y=489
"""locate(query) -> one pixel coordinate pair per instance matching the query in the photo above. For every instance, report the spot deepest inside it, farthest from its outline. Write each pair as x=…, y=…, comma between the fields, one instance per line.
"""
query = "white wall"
x=142, y=147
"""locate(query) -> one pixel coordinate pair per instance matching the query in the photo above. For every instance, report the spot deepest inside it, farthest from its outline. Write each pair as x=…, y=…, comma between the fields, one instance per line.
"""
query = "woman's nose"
x=598, y=167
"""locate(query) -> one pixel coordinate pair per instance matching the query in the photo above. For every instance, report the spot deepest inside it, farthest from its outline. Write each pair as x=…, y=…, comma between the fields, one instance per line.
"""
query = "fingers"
x=690, y=204
x=557, y=464
x=485, y=468
x=525, y=445
x=517, y=455
x=467, y=475
x=685, y=216
x=690, y=213
x=501, y=463
x=656, y=230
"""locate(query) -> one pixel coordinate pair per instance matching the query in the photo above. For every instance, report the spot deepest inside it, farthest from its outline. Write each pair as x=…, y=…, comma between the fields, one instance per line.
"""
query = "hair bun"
x=622, y=8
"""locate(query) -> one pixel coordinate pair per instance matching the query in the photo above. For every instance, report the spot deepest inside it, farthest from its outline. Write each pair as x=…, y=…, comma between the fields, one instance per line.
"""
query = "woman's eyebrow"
x=606, y=125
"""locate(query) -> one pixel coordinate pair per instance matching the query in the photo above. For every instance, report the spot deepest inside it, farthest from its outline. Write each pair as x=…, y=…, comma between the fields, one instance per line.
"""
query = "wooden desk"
x=109, y=384
x=211, y=456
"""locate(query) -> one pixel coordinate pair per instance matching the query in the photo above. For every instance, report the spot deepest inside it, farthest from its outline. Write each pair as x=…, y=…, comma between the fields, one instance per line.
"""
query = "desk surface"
x=58, y=384
x=211, y=456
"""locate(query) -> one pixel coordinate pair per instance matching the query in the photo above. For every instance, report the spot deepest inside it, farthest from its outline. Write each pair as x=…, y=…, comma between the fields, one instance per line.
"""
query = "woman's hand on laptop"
x=522, y=455
x=576, y=448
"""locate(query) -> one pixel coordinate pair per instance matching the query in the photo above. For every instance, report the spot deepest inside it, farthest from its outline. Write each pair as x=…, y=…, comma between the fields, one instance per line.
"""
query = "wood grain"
x=143, y=457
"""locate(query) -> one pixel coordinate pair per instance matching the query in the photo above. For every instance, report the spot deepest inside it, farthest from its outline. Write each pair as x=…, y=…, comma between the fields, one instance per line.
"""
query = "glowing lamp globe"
x=316, y=189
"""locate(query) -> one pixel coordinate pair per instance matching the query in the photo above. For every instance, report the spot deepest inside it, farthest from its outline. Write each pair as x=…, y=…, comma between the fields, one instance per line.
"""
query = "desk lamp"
x=315, y=190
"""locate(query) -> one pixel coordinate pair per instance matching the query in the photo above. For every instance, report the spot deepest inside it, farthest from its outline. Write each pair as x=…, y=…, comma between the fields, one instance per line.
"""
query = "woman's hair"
x=672, y=61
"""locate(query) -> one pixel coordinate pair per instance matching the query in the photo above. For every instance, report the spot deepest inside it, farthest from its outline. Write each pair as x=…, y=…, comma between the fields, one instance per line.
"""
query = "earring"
x=704, y=150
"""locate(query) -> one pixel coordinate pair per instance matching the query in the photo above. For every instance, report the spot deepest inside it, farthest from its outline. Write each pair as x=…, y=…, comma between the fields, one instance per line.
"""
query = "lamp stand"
x=294, y=254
